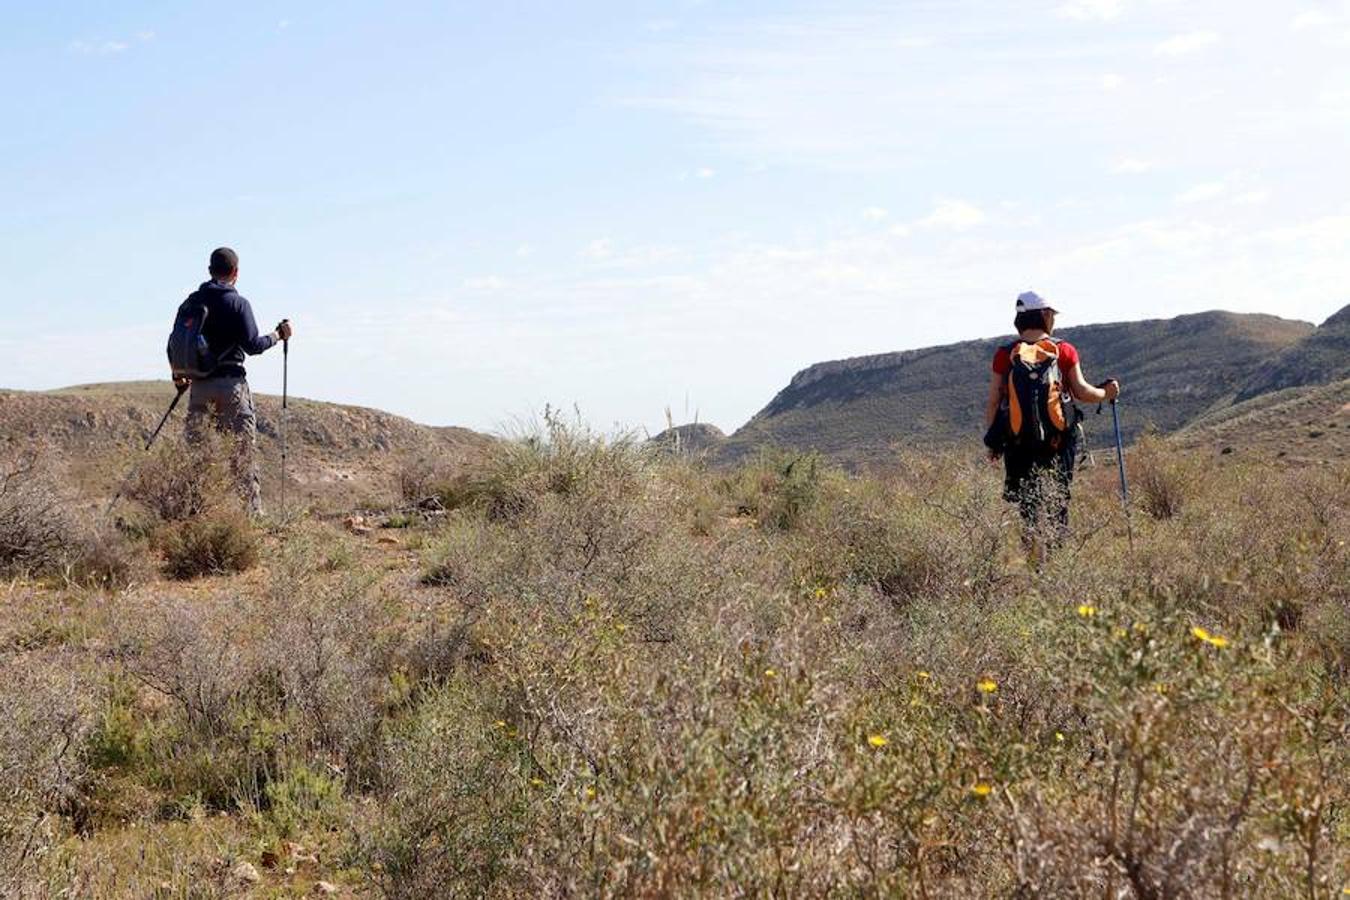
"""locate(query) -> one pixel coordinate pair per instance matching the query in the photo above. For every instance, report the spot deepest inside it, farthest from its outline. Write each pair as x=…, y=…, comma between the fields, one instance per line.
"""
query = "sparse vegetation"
x=620, y=673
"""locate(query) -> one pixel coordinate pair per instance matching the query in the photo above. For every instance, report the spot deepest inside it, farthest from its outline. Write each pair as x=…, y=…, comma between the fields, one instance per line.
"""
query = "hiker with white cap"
x=1031, y=419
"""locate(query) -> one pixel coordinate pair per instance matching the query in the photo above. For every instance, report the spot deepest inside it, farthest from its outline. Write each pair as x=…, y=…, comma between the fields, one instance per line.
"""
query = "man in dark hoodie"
x=223, y=397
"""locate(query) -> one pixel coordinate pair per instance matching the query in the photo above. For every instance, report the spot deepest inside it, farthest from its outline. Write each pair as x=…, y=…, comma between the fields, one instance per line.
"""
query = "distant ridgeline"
x=1174, y=372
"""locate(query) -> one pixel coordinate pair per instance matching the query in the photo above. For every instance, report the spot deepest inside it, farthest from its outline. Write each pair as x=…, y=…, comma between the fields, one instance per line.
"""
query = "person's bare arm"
x=996, y=388
x=1086, y=393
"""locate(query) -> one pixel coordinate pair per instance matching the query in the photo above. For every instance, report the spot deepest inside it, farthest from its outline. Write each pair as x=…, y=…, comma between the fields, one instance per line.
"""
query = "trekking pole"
x=1124, y=486
x=285, y=390
x=182, y=388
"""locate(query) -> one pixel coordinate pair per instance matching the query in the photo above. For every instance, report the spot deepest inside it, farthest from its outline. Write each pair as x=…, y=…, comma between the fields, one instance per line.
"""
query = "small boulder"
x=245, y=873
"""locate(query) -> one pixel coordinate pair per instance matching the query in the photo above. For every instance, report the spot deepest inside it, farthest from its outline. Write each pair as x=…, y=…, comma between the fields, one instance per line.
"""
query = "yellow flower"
x=501, y=723
x=922, y=675
x=1160, y=688
x=877, y=741
x=1213, y=640
x=619, y=626
x=1059, y=736
x=590, y=793
x=821, y=593
x=537, y=782
x=770, y=673
x=981, y=790
x=1086, y=611
x=986, y=686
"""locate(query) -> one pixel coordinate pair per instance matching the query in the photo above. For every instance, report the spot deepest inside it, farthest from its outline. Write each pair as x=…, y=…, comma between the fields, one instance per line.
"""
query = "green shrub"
x=301, y=798
x=778, y=488
x=218, y=543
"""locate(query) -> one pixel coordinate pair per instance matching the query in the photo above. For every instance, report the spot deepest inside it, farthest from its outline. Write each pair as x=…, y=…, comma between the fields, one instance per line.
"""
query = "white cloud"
x=874, y=213
x=1101, y=10
x=1186, y=44
x=98, y=48
x=105, y=47
x=957, y=215
x=1252, y=198
x=1131, y=166
x=484, y=283
x=704, y=172
x=524, y=250
x=1112, y=82
x=1209, y=190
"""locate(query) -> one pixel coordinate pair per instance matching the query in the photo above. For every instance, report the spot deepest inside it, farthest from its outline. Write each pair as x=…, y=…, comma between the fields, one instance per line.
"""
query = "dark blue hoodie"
x=230, y=329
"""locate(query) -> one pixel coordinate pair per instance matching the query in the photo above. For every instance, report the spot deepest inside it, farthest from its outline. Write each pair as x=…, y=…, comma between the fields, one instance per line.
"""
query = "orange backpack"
x=1037, y=417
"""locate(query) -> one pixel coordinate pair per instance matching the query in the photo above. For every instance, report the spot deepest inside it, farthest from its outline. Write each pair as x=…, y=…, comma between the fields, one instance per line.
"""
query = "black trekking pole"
x=1124, y=485
x=182, y=389
x=285, y=390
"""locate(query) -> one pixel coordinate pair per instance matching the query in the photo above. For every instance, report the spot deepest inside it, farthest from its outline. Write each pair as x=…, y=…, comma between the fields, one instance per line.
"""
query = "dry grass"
x=613, y=673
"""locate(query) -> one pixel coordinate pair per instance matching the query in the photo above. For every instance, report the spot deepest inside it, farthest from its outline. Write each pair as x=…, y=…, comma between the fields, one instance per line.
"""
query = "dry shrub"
x=286, y=686
x=107, y=559
x=38, y=535
x=46, y=712
x=1163, y=478
x=456, y=805
x=216, y=543
x=180, y=480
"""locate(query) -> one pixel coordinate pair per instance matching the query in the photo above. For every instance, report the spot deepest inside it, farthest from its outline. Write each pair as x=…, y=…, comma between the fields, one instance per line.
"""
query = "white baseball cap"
x=1030, y=300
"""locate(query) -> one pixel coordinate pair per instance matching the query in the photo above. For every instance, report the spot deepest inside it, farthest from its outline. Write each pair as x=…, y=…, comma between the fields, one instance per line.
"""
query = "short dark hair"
x=224, y=262
x=1029, y=320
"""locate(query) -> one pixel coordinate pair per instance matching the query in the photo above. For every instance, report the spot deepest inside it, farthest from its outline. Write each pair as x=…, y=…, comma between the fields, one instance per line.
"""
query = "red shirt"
x=1068, y=359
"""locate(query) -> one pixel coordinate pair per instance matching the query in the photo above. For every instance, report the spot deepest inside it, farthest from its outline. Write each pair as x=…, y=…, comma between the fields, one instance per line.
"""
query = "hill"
x=694, y=438
x=1173, y=371
x=333, y=450
x=1303, y=424
x=1321, y=357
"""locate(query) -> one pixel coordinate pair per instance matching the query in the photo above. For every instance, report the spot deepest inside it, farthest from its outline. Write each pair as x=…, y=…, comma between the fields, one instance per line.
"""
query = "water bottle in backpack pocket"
x=189, y=354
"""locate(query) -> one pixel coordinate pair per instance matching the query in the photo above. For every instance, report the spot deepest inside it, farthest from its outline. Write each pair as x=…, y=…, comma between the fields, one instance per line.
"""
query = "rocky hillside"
x=1321, y=357
x=345, y=453
x=1174, y=370
x=1302, y=424
x=696, y=438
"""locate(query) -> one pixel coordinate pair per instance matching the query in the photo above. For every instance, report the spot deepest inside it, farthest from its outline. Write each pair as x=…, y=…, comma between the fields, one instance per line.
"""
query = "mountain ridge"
x=1173, y=370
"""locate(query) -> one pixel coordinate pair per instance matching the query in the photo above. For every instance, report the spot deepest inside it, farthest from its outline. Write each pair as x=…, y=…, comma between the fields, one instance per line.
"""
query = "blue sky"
x=474, y=209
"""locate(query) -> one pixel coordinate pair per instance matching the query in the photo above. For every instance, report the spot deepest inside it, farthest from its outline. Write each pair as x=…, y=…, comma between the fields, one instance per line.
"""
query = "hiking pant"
x=1038, y=481
x=226, y=404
